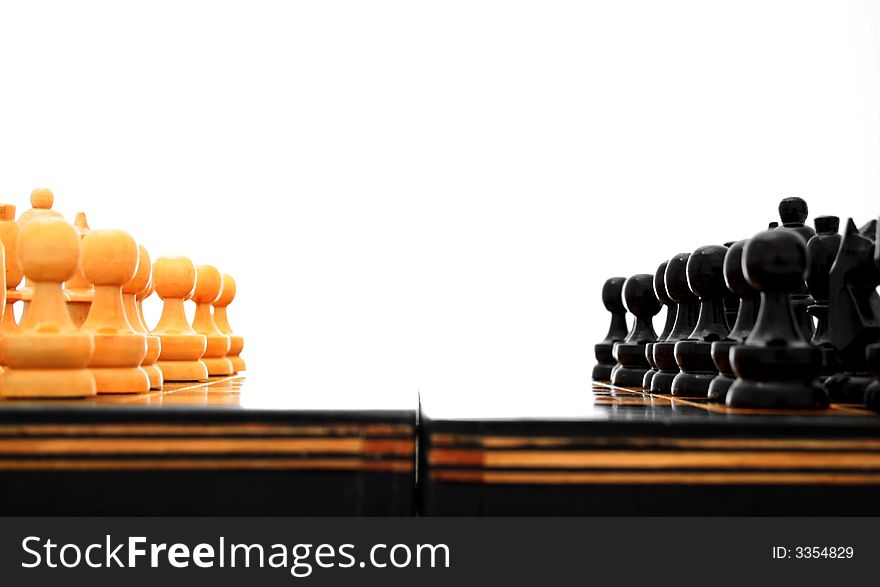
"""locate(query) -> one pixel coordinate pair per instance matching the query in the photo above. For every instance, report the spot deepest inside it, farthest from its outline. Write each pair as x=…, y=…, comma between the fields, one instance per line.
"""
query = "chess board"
x=218, y=449
x=617, y=451
x=203, y=449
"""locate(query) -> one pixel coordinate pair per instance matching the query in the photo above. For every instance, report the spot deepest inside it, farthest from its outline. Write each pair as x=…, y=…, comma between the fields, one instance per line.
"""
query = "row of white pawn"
x=91, y=337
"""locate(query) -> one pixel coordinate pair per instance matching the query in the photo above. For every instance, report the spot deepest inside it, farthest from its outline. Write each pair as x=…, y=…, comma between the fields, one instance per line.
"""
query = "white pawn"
x=47, y=355
x=221, y=318
x=182, y=347
x=209, y=282
x=141, y=283
x=109, y=260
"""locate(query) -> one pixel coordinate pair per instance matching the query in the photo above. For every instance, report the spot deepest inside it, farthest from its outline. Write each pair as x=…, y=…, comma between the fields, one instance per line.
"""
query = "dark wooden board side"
x=641, y=455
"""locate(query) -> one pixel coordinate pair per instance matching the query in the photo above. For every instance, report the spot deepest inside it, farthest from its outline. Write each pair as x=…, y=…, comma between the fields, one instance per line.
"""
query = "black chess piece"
x=793, y=212
x=705, y=271
x=660, y=291
x=612, y=298
x=745, y=321
x=641, y=301
x=853, y=314
x=872, y=353
x=776, y=367
x=772, y=225
x=731, y=302
x=821, y=251
x=869, y=229
x=686, y=313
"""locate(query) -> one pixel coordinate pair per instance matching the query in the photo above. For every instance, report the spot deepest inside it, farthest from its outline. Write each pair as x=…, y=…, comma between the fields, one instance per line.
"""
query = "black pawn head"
x=733, y=272
x=793, y=211
x=827, y=224
x=677, y=281
x=612, y=294
x=775, y=261
x=705, y=271
x=639, y=297
x=660, y=284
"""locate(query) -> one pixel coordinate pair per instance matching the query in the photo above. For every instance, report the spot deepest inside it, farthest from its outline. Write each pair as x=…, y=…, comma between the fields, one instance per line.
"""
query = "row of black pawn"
x=739, y=329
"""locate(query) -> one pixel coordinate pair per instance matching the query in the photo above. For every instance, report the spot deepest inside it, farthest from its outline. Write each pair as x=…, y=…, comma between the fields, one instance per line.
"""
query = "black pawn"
x=660, y=291
x=821, y=252
x=731, y=302
x=853, y=314
x=793, y=212
x=640, y=300
x=742, y=327
x=776, y=367
x=705, y=271
x=612, y=298
x=686, y=313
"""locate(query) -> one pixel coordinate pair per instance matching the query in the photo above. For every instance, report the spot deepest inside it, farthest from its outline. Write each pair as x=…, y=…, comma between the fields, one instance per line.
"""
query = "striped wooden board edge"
x=201, y=443
x=593, y=458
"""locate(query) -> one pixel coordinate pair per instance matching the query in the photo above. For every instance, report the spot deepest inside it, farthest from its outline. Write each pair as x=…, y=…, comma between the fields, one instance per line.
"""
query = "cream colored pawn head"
x=228, y=292
x=141, y=279
x=209, y=283
x=109, y=257
x=48, y=250
x=174, y=277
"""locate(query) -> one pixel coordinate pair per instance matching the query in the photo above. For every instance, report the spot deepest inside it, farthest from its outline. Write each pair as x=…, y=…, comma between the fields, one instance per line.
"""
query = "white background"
x=429, y=195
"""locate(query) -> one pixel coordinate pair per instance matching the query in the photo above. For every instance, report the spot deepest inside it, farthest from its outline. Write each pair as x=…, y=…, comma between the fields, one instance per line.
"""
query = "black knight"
x=853, y=313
